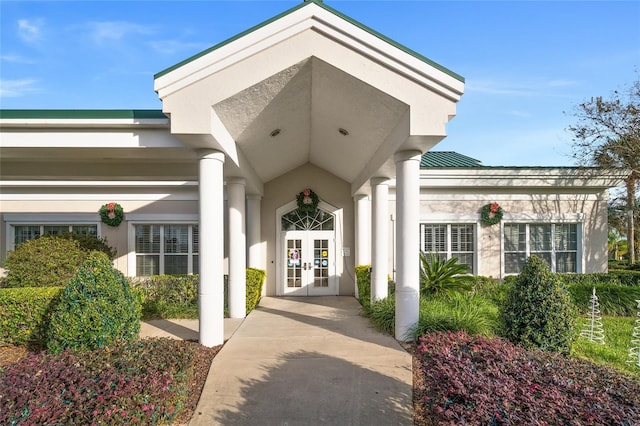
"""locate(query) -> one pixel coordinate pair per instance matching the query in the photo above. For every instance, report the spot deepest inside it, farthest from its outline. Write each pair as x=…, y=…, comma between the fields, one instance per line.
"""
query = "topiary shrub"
x=538, y=312
x=97, y=308
x=47, y=261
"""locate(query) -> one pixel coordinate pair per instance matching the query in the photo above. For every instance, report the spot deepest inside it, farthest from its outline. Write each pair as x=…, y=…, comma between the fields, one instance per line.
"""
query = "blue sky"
x=526, y=63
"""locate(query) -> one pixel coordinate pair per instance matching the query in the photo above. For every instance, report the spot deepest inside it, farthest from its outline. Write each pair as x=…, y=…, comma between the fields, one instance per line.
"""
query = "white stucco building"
x=309, y=99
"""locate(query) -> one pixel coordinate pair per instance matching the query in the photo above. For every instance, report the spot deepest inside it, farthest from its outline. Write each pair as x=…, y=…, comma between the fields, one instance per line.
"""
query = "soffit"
x=307, y=105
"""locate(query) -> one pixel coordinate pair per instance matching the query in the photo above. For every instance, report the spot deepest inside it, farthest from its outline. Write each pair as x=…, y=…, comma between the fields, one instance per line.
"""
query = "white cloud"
x=17, y=88
x=518, y=113
x=171, y=47
x=113, y=31
x=522, y=87
x=16, y=59
x=30, y=31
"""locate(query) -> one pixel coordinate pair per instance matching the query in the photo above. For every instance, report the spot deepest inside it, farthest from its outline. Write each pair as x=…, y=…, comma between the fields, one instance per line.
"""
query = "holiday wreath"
x=111, y=214
x=307, y=201
x=491, y=214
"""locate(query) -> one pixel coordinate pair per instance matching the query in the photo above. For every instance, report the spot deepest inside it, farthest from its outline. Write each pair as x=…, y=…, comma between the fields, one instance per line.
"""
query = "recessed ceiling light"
x=343, y=132
x=274, y=133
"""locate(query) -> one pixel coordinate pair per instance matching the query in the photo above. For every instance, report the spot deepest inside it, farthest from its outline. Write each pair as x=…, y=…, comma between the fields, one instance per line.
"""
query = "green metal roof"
x=431, y=159
x=329, y=9
x=81, y=114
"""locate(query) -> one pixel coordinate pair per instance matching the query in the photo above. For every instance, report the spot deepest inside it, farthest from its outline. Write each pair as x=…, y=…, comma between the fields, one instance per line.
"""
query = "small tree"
x=438, y=277
x=538, y=312
x=607, y=135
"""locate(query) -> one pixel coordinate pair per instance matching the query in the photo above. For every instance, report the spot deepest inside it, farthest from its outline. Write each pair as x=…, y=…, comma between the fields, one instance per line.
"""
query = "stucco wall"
x=330, y=189
x=55, y=211
x=586, y=208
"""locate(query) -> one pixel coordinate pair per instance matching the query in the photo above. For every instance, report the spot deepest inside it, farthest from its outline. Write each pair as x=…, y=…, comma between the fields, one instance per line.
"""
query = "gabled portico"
x=308, y=99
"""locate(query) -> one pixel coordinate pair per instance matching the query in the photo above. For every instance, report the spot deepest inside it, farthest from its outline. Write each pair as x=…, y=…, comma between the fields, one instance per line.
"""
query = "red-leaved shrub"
x=144, y=382
x=490, y=381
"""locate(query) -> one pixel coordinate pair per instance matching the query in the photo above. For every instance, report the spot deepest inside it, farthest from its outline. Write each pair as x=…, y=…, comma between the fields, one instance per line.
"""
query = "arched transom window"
x=318, y=221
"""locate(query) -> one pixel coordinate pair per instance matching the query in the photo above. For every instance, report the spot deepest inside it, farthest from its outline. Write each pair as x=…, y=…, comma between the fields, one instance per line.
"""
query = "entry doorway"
x=307, y=253
x=310, y=265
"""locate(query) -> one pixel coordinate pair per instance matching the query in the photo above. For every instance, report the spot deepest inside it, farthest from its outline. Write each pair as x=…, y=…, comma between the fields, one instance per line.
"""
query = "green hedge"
x=491, y=289
x=617, y=291
x=47, y=261
x=614, y=299
x=169, y=296
x=255, y=281
x=620, y=277
x=176, y=296
x=24, y=313
x=363, y=280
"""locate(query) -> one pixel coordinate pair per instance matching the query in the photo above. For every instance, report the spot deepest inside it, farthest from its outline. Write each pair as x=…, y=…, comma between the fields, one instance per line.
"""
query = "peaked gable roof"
x=321, y=4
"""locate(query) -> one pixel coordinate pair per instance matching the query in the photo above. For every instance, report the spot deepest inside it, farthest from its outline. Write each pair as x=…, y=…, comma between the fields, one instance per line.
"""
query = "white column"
x=211, y=254
x=408, y=241
x=255, y=256
x=363, y=233
x=363, y=230
x=379, y=238
x=237, y=248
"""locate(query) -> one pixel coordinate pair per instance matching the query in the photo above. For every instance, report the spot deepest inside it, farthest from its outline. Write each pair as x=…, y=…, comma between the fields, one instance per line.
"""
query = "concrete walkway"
x=184, y=329
x=308, y=361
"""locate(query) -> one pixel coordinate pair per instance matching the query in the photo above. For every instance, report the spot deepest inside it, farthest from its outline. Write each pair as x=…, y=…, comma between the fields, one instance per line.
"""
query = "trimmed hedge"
x=255, y=281
x=363, y=279
x=43, y=262
x=176, y=296
x=24, y=313
x=614, y=299
x=614, y=276
x=169, y=296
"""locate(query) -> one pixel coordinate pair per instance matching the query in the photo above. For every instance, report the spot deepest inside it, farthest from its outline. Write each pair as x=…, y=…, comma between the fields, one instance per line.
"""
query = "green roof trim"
x=447, y=159
x=82, y=114
x=329, y=9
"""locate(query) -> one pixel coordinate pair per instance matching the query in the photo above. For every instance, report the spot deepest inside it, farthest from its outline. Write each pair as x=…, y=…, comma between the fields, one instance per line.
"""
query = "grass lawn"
x=615, y=351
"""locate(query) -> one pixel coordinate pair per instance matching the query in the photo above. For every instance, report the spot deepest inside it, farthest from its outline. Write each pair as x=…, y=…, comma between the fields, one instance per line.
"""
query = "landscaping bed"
x=152, y=381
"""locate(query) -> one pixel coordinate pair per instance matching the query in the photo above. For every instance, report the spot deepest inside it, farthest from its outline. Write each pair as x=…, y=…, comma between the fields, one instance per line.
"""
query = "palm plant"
x=442, y=277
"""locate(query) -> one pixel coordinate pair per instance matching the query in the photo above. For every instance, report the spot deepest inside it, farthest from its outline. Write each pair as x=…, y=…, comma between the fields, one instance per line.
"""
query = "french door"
x=309, y=263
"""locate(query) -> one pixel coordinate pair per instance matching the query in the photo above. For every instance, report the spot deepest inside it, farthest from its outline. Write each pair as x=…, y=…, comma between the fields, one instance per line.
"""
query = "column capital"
x=233, y=180
x=407, y=155
x=210, y=154
x=254, y=197
x=379, y=181
x=360, y=197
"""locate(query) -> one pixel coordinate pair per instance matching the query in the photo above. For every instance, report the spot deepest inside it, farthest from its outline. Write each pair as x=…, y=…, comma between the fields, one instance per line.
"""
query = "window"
x=166, y=249
x=449, y=240
x=296, y=221
x=23, y=233
x=557, y=244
